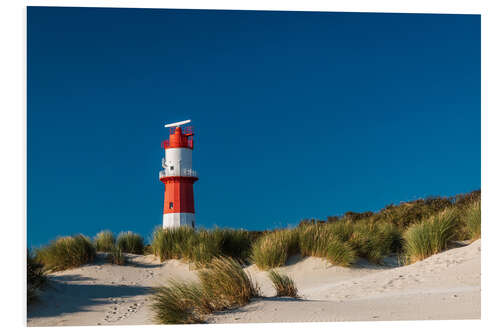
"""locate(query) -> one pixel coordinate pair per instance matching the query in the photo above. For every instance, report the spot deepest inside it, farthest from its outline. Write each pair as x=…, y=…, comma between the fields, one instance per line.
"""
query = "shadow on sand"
x=386, y=263
x=64, y=295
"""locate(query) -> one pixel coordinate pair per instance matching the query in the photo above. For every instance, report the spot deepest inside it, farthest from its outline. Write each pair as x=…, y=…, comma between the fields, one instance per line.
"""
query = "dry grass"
x=201, y=246
x=116, y=257
x=104, y=241
x=130, y=242
x=66, y=252
x=473, y=221
x=430, y=236
x=36, y=278
x=283, y=284
x=223, y=285
x=272, y=250
x=227, y=284
x=179, y=303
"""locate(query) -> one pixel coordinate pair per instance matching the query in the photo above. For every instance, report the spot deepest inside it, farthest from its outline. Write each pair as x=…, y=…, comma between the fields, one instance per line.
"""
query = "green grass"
x=430, y=236
x=340, y=253
x=227, y=284
x=375, y=241
x=170, y=243
x=223, y=285
x=272, y=250
x=179, y=303
x=473, y=221
x=104, y=241
x=66, y=252
x=201, y=246
x=130, y=242
x=116, y=257
x=283, y=284
x=36, y=278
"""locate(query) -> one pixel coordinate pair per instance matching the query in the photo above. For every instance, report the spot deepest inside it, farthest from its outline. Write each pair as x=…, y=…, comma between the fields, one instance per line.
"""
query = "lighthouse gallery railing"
x=183, y=173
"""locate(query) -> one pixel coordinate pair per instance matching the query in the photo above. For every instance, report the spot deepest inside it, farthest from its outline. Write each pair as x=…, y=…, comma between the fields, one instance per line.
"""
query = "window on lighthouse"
x=171, y=167
x=171, y=205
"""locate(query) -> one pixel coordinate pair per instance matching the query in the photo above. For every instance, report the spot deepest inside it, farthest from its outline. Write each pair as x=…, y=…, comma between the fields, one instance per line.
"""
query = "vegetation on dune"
x=129, y=242
x=413, y=230
x=473, y=221
x=200, y=246
x=66, y=252
x=375, y=241
x=273, y=249
x=223, y=285
x=341, y=243
x=283, y=284
x=227, y=284
x=104, y=241
x=340, y=253
x=36, y=278
x=430, y=236
x=179, y=303
x=406, y=214
x=327, y=241
x=115, y=256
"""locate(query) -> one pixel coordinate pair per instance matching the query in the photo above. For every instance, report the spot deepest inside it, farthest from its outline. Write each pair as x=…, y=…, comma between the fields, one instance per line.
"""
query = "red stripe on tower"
x=178, y=176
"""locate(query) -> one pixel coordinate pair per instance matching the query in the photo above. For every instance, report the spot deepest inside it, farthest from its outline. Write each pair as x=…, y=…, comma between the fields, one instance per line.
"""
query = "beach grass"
x=272, y=250
x=340, y=253
x=179, y=303
x=104, y=241
x=374, y=241
x=223, y=284
x=430, y=236
x=116, y=257
x=36, y=277
x=227, y=284
x=283, y=284
x=66, y=252
x=129, y=242
x=200, y=246
x=473, y=221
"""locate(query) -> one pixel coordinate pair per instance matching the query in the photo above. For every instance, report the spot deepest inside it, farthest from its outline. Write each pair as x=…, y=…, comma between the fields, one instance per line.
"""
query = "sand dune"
x=444, y=286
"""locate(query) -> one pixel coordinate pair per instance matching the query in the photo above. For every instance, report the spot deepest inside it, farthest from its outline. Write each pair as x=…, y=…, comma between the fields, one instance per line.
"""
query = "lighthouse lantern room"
x=178, y=176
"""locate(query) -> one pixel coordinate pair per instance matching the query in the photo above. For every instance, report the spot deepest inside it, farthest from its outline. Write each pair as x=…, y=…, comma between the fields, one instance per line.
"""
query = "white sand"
x=444, y=286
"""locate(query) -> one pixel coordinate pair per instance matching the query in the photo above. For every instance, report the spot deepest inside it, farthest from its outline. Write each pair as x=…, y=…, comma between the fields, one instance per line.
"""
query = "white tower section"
x=178, y=162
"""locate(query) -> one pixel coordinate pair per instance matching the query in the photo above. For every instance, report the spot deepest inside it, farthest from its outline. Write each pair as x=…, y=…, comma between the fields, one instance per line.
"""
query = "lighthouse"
x=178, y=176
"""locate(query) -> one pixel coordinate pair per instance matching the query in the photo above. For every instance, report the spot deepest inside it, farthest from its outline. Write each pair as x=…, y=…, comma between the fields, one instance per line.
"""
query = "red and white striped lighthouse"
x=178, y=176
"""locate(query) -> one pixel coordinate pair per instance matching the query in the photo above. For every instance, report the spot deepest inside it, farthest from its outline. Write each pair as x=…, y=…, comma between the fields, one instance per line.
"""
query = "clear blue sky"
x=297, y=115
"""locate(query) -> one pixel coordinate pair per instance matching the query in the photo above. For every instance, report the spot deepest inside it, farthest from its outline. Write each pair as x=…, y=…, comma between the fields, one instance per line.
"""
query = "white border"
x=13, y=143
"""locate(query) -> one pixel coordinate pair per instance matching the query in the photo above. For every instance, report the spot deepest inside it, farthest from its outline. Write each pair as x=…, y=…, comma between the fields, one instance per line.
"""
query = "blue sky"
x=296, y=114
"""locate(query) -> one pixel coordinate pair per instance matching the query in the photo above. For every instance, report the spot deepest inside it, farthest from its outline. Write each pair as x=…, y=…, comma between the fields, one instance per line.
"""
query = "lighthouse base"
x=175, y=220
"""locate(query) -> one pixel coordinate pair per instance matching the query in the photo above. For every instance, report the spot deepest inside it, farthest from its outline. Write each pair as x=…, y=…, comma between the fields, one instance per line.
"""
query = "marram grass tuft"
x=223, y=285
x=66, y=252
x=129, y=242
x=283, y=284
x=430, y=236
x=104, y=241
